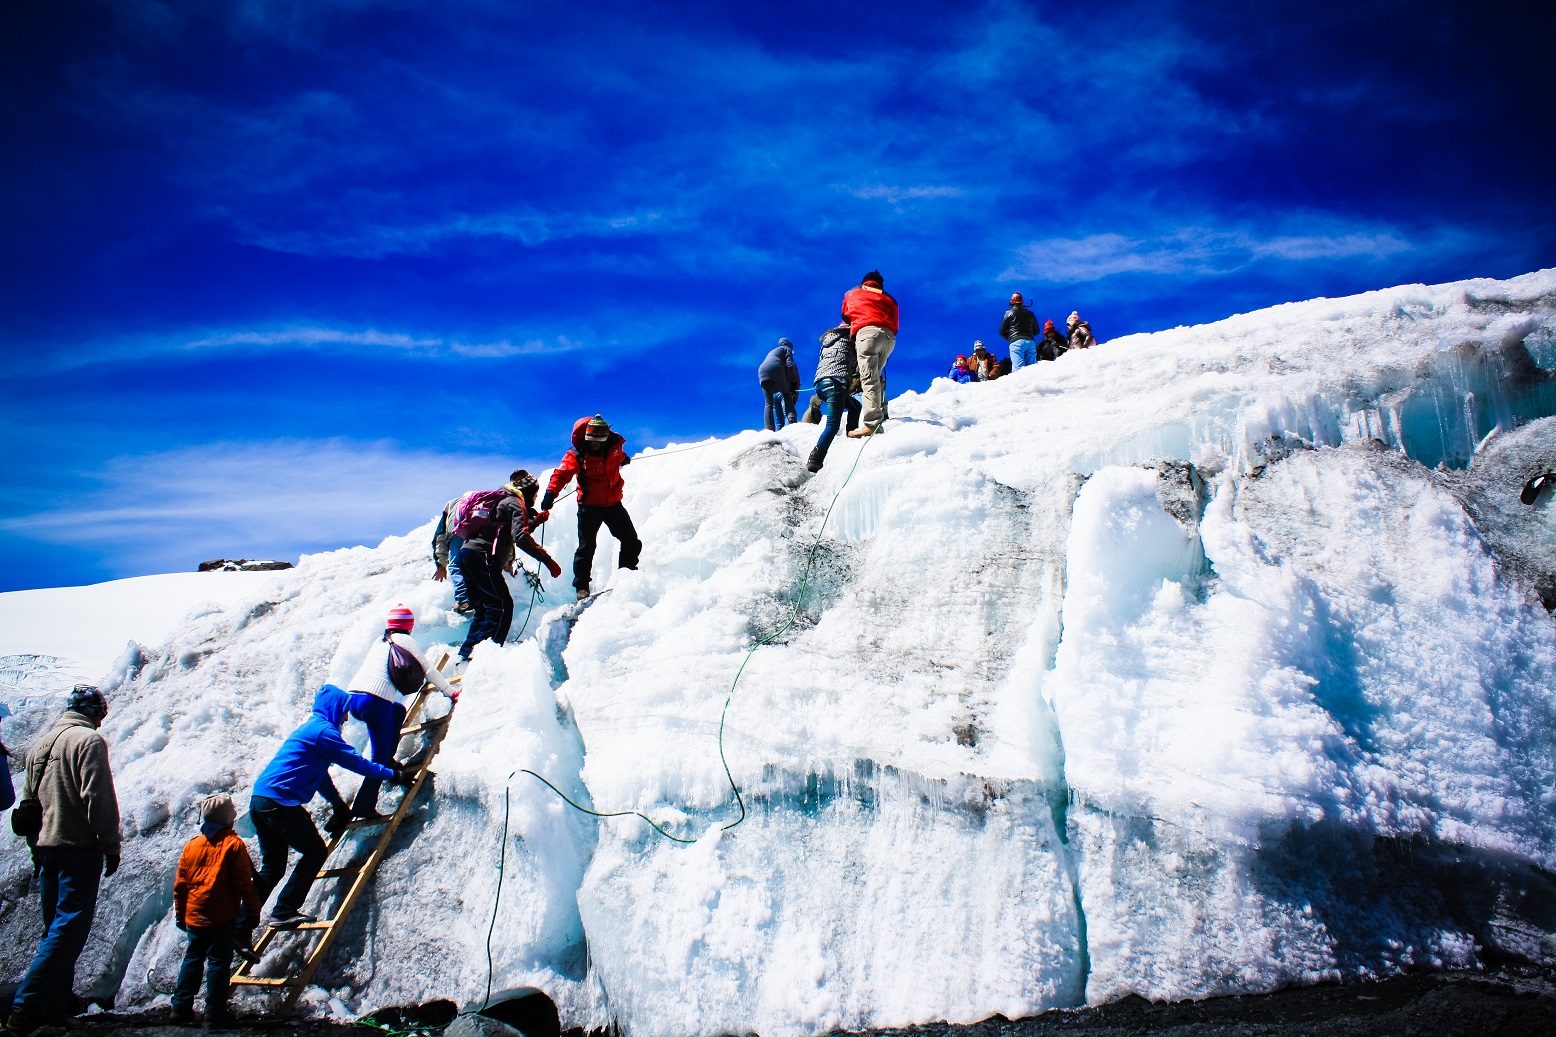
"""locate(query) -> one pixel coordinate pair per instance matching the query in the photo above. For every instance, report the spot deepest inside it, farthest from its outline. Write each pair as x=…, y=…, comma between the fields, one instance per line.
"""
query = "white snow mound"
x=1207, y=661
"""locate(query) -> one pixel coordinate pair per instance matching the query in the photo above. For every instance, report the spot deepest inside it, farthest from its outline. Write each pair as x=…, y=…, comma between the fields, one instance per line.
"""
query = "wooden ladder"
x=358, y=874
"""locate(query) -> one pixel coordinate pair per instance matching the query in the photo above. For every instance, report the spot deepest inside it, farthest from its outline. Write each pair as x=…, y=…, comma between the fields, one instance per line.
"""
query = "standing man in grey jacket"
x=69, y=777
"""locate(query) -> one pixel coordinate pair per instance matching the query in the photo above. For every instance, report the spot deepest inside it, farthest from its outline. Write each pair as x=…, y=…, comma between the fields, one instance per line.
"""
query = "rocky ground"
x=1513, y=1001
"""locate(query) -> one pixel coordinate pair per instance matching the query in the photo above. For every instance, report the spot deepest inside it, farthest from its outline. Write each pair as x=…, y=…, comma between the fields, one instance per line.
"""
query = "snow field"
x=1172, y=668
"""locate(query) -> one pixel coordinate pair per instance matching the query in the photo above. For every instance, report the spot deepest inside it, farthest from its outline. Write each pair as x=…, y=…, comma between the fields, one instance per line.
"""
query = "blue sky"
x=280, y=277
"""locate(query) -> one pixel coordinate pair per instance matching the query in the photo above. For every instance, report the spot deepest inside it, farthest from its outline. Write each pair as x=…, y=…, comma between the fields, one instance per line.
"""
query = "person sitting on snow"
x=1052, y=346
x=1080, y=332
x=215, y=903
x=299, y=770
x=378, y=691
x=959, y=371
x=596, y=458
x=780, y=381
x=982, y=363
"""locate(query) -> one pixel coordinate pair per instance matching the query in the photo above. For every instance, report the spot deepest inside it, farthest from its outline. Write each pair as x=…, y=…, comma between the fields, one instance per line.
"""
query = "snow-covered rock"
x=1206, y=661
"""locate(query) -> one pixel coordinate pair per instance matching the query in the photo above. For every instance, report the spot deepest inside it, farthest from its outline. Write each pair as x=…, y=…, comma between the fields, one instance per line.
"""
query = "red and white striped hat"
x=400, y=618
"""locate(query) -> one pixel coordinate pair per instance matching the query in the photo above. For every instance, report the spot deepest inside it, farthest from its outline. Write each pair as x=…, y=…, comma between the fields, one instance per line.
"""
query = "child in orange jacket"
x=214, y=901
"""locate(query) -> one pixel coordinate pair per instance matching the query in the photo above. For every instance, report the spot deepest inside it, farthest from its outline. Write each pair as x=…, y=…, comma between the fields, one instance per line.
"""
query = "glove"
x=539, y=518
x=405, y=776
x=340, y=818
x=626, y=461
x=110, y=864
x=546, y=502
x=551, y=567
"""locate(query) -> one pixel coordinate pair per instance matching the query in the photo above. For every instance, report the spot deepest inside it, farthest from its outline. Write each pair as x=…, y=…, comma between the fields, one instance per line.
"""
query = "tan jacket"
x=68, y=773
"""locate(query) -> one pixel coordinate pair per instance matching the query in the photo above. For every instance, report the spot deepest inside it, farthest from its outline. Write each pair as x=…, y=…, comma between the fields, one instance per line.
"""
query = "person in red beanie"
x=596, y=458
x=872, y=319
x=1052, y=346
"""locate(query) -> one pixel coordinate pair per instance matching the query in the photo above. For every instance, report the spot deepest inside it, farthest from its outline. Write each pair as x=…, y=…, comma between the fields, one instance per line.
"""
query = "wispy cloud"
x=312, y=337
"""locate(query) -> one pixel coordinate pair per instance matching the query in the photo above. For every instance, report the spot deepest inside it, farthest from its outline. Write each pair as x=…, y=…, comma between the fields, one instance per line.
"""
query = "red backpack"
x=477, y=513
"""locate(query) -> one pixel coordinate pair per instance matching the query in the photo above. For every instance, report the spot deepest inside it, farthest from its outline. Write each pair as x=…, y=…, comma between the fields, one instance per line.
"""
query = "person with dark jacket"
x=489, y=552
x=77, y=845
x=1019, y=328
x=299, y=770
x=872, y=320
x=213, y=897
x=780, y=380
x=1052, y=346
x=445, y=554
x=1080, y=332
x=835, y=372
x=596, y=458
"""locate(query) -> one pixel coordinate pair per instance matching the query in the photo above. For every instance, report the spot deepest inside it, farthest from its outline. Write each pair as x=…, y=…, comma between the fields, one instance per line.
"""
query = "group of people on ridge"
x=1027, y=346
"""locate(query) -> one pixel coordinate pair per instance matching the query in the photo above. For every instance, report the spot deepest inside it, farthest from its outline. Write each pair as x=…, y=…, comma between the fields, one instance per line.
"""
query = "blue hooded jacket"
x=301, y=767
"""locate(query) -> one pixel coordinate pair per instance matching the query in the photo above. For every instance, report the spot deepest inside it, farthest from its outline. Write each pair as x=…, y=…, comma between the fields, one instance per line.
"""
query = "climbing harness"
x=767, y=639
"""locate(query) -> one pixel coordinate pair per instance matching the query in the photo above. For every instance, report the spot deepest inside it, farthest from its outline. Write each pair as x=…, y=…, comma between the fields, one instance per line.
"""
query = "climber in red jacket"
x=596, y=459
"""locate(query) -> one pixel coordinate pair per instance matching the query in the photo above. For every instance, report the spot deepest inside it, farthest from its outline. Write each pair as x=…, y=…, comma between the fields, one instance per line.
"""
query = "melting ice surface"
x=1207, y=661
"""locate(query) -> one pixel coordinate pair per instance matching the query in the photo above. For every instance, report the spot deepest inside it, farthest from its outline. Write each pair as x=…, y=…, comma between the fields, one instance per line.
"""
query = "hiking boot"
x=182, y=1015
x=219, y=1018
x=464, y=608
x=18, y=1023
x=244, y=951
x=817, y=459
x=583, y=592
x=290, y=919
x=374, y=815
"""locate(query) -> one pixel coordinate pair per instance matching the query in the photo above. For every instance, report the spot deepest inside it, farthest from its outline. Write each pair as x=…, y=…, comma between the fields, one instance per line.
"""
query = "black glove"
x=546, y=501
x=339, y=819
x=405, y=776
x=110, y=863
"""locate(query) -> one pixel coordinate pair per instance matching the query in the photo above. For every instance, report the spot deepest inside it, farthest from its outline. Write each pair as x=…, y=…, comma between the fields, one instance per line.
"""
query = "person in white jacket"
x=378, y=703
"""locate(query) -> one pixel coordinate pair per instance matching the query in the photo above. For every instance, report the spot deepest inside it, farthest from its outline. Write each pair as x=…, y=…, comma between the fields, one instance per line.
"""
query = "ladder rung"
x=264, y=981
x=324, y=923
x=425, y=725
x=336, y=873
x=369, y=822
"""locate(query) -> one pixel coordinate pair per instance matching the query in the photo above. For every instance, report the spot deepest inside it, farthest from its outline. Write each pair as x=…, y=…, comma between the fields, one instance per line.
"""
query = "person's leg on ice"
x=281, y=829
x=384, y=720
x=832, y=392
x=505, y=596
x=620, y=524
x=874, y=345
x=485, y=600
x=589, y=520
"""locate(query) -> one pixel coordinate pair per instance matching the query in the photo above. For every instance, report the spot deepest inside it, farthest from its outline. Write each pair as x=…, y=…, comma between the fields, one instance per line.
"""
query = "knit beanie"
x=1075, y=318
x=597, y=429
x=217, y=809
x=875, y=276
x=400, y=618
x=88, y=701
x=1048, y=326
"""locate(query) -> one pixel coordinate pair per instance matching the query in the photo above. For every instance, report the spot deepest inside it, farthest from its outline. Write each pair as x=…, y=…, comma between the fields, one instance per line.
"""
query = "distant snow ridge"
x=1196, y=663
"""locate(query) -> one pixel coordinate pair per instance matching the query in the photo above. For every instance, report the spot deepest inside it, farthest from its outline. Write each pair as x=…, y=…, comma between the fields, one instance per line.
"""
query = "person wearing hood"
x=299, y=770
x=780, y=380
x=596, y=459
x=1080, y=332
x=872, y=320
x=835, y=373
x=394, y=669
x=959, y=371
x=1052, y=345
x=1019, y=328
x=489, y=551
x=68, y=792
x=213, y=898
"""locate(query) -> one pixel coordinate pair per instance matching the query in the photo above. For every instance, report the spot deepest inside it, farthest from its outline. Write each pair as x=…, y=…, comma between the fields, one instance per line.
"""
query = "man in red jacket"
x=872, y=318
x=596, y=459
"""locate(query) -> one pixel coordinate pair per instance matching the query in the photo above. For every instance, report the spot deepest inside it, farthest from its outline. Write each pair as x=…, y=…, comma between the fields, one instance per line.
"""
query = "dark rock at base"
x=242, y=565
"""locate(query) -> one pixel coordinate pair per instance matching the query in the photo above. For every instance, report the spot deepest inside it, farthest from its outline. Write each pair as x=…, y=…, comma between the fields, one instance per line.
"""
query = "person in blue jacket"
x=959, y=371
x=7, y=790
x=780, y=380
x=278, y=805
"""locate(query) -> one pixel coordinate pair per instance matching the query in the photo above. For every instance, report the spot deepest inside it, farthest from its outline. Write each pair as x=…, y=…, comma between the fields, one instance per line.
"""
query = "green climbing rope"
x=767, y=639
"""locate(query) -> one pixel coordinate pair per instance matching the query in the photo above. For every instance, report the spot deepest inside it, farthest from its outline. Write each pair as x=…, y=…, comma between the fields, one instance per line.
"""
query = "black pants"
x=279, y=829
x=492, y=605
x=615, y=519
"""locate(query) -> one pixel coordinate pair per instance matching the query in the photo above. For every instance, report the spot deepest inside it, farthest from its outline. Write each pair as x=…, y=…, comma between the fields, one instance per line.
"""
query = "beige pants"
x=874, y=346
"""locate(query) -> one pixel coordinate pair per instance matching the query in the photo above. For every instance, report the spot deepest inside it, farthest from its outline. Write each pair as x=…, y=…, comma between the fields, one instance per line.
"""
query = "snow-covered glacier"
x=1206, y=661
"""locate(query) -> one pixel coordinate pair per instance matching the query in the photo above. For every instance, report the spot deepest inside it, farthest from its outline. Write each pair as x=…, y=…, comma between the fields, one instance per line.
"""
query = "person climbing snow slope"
x=872, y=319
x=780, y=381
x=835, y=371
x=595, y=459
x=445, y=555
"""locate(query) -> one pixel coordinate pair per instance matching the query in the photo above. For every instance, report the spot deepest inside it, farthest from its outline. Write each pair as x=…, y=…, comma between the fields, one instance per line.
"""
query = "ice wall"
x=1204, y=661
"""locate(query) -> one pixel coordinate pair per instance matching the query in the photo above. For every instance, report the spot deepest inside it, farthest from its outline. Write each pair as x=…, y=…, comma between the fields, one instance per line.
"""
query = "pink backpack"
x=477, y=513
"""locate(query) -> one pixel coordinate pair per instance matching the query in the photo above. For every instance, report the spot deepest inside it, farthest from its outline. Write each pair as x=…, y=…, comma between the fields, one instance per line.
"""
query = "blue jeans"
x=68, y=878
x=834, y=401
x=210, y=950
x=1023, y=351
x=779, y=403
x=456, y=575
x=384, y=720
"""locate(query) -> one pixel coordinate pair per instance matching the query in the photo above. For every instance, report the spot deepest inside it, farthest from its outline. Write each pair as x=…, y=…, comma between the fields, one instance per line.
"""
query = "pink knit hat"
x=400, y=618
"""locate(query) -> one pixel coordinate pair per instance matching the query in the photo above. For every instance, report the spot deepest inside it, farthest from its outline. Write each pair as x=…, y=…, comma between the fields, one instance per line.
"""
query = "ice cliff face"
x=1206, y=661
